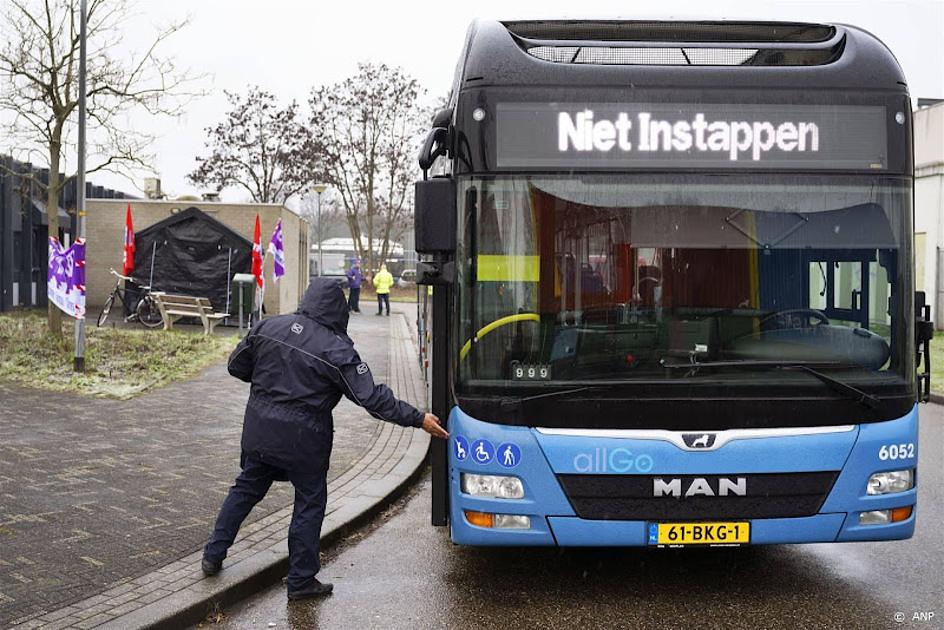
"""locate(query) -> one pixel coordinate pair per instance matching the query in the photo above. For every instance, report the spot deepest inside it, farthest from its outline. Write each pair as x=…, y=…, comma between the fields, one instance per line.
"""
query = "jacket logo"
x=297, y=328
x=699, y=486
x=699, y=440
x=362, y=368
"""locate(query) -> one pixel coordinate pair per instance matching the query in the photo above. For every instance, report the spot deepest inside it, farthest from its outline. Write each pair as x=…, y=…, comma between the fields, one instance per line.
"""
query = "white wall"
x=929, y=203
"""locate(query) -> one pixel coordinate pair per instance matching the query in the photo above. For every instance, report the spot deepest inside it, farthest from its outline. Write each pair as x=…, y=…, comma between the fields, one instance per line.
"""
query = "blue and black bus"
x=673, y=287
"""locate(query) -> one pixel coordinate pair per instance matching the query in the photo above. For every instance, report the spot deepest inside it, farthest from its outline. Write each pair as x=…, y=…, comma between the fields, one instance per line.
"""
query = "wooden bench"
x=173, y=307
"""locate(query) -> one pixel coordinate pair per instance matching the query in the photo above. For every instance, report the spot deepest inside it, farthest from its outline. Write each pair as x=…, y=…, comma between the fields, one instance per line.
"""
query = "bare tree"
x=369, y=126
x=260, y=147
x=39, y=64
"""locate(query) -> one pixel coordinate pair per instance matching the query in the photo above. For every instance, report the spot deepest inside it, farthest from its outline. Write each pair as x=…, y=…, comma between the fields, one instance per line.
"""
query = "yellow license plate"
x=703, y=533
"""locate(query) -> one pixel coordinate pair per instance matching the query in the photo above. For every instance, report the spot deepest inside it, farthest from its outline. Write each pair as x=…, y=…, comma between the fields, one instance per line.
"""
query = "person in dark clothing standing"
x=299, y=366
x=354, y=280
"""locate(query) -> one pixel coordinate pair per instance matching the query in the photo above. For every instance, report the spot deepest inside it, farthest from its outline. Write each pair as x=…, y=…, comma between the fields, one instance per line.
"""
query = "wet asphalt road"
x=403, y=573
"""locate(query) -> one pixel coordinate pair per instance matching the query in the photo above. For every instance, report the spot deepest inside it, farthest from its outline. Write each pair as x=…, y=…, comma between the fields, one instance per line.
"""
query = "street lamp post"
x=78, y=362
x=320, y=188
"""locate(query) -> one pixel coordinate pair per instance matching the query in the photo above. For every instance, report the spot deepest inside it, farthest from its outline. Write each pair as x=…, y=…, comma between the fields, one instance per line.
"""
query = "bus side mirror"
x=437, y=141
x=434, y=215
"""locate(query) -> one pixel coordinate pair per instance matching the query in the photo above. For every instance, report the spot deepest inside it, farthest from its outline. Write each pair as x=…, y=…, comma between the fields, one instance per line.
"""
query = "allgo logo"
x=617, y=460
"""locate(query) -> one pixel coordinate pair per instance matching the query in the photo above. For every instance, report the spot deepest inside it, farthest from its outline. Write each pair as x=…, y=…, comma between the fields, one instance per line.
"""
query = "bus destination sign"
x=815, y=137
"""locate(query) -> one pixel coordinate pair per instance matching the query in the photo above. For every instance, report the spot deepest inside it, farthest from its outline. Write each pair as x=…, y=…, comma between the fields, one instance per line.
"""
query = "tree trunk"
x=355, y=230
x=370, y=225
x=53, y=314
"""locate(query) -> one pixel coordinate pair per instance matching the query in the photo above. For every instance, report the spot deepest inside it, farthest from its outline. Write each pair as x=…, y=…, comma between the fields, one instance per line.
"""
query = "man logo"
x=699, y=440
x=700, y=487
x=362, y=368
x=297, y=328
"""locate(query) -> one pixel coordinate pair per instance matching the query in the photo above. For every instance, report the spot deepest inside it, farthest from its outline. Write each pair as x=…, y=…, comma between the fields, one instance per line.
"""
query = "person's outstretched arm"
x=358, y=385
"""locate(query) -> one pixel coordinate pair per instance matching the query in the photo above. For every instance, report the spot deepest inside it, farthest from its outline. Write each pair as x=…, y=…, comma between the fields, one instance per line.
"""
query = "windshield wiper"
x=561, y=392
x=553, y=394
x=850, y=392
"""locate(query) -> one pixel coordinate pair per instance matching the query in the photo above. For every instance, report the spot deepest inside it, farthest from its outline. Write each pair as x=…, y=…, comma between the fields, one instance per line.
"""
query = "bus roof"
x=676, y=54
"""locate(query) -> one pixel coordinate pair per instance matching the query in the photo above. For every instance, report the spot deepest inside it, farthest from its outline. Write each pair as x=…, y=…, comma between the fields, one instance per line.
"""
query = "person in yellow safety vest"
x=382, y=283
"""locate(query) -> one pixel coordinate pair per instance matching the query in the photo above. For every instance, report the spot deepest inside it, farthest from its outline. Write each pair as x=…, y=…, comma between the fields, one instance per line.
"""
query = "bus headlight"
x=492, y=486
x=891, y=481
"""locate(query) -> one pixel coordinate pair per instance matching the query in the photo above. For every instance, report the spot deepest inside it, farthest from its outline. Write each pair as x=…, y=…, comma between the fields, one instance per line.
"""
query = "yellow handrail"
x=510, y=319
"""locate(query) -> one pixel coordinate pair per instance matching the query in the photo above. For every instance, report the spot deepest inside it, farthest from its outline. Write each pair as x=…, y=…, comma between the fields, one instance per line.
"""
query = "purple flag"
x=65, y=278
x=277, y=249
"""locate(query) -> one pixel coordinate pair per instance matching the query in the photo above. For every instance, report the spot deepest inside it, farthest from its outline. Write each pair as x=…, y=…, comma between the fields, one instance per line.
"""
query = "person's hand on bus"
x=432, y=426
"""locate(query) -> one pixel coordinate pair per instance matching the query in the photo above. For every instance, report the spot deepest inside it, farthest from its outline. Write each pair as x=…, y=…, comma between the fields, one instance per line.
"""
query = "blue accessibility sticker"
x=653, y=533
x=460, y=446
x=509, y=455
x=482, y=451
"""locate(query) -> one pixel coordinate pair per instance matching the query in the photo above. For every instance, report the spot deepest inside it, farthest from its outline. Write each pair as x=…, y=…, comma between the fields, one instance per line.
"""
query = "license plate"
x=737, y=533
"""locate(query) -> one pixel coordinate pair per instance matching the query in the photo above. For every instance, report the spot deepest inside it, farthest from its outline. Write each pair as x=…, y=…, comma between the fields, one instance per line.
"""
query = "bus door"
x=848, y=286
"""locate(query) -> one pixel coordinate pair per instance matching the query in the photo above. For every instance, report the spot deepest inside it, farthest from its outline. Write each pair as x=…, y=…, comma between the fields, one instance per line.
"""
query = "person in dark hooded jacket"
x=299, y=366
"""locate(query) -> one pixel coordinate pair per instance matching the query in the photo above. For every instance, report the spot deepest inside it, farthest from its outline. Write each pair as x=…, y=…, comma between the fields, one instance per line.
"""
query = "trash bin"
x=244, y=296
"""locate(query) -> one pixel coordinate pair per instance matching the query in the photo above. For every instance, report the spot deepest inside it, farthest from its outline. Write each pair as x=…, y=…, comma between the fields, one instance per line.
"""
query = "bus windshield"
x=627, y=278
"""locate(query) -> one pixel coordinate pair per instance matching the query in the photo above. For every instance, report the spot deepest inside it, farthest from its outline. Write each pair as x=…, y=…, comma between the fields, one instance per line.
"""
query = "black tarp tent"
x=191, y=253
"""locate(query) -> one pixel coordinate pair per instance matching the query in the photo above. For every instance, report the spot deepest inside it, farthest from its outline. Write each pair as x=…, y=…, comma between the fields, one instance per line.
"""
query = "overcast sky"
x=288, y=46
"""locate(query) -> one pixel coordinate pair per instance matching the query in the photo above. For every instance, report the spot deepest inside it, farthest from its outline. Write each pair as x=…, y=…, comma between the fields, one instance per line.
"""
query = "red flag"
x=127, y=261
x=257, y=255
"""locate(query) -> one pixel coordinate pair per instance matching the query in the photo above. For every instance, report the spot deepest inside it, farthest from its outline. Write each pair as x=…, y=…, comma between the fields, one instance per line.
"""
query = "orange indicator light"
x=482, y=519
x=901, y=514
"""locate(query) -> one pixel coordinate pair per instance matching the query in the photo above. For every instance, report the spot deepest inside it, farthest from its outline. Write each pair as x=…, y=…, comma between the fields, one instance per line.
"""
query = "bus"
x=673, y=286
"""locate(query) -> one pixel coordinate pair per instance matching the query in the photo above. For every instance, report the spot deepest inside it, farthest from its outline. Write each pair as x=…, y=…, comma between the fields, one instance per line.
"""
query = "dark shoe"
x=378, y=314
x=211, y=567
x=388, y=314
x=315, y=589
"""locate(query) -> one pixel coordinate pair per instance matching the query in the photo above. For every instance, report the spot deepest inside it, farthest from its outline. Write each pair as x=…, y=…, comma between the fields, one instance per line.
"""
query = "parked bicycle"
x=145, y=309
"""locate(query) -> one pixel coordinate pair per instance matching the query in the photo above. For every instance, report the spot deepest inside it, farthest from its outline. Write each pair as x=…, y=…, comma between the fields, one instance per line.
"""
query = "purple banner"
x=66, y=277
x=277, y=247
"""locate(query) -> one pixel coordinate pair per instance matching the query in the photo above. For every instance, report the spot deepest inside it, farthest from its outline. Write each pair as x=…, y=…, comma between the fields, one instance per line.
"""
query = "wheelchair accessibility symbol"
x=460, y=447
x=482, y=451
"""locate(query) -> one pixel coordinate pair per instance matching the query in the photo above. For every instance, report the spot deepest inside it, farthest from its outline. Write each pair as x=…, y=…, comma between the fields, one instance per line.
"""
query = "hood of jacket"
x=325, y=303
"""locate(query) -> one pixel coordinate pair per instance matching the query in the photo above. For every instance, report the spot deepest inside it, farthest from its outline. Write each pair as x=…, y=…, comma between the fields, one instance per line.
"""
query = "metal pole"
x=320, y=239
x=78, y=363
x=151, y=274
x=241, y=309
x=229, y=281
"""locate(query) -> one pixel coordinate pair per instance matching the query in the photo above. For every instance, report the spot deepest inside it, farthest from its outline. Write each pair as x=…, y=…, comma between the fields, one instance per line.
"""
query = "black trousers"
x=304, y=533
x=382, y=299
x=354, y=299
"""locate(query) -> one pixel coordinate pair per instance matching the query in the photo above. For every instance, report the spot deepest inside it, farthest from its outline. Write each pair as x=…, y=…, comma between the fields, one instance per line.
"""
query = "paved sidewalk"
x=105, y=505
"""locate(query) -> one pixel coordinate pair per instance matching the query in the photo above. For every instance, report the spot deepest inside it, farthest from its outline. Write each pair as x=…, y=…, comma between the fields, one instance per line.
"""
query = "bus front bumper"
x=536, y=459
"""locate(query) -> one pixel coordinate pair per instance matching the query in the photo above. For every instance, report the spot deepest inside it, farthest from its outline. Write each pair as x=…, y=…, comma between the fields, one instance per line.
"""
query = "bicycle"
x=145, y=310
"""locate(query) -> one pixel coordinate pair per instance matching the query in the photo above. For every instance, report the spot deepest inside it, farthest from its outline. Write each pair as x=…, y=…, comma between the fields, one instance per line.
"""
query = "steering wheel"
x=498, y=323
x=794, y=318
